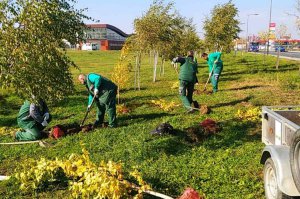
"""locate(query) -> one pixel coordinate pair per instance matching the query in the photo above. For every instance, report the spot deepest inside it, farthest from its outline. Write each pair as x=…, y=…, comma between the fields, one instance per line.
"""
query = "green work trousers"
x=215, y=77
x=31, y=130
x=214, y=81
x=186, y=90
x=107, y=102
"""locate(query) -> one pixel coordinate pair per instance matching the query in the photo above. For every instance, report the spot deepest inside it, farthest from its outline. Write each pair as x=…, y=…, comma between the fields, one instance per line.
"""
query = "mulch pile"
x=199, y=132
x=204, y=109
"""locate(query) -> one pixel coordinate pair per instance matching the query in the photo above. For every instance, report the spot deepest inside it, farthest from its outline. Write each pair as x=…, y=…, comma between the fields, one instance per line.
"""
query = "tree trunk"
x=163, y=66
x=118, y=95
x=264, y=58
x=135, y=72
x=277, y=61
x=155, y=65
x=139, y=70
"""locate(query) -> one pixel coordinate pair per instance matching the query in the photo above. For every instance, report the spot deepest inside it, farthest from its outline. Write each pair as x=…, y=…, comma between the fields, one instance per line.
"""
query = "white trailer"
x=281, y=155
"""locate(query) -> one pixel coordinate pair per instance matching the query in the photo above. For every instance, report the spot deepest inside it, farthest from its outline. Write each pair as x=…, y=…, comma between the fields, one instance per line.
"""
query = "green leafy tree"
x=153, y=29
x=222, y=27
x=184, y=38
x=134, y=50
x=164, y=33
x=32, y=56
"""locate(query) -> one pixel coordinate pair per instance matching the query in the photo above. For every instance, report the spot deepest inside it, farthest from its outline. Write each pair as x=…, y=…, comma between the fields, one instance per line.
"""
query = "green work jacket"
x=212, y=57
x=104, y=86
x=188, y=69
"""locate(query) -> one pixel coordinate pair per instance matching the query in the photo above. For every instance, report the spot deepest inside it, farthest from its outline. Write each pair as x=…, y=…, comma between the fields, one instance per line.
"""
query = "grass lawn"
x=225, y=165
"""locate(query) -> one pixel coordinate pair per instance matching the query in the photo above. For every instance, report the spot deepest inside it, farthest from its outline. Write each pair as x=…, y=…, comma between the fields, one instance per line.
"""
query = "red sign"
x=272, y=25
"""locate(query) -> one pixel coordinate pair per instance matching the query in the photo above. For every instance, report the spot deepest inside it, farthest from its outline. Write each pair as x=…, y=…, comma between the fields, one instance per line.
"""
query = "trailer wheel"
x=272, y=190
x=295, y=159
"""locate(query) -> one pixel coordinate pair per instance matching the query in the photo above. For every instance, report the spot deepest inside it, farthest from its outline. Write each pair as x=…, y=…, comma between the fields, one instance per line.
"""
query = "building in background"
x=103, y=37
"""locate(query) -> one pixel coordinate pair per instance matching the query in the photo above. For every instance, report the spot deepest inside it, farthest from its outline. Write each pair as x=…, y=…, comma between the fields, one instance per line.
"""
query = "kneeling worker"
x=32, y=118
x=105, y=92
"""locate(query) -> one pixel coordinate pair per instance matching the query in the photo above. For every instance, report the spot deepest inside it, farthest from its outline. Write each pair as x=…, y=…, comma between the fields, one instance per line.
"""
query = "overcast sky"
x=121, y=13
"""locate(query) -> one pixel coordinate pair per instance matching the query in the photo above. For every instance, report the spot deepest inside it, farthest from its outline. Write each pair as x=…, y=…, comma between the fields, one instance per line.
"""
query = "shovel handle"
x=87, y=112
x=210, y=74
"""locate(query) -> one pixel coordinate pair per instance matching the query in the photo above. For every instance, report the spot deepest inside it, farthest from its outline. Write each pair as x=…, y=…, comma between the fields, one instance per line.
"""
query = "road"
x=289, y=55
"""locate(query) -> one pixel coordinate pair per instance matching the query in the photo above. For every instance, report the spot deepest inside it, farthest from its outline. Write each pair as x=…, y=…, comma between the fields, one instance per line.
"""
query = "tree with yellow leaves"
x=120, y=74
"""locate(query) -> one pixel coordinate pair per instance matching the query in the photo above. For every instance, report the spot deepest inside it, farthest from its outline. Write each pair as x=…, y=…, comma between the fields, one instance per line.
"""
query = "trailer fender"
x=281, y=157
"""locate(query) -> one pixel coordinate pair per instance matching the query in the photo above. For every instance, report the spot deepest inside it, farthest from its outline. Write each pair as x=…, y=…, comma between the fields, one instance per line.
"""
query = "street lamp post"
x=269, y=28
x=247, y=39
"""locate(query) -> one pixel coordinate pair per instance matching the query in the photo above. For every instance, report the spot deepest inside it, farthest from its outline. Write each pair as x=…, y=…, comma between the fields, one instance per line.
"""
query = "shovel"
x=87, y=112
x=210, y=74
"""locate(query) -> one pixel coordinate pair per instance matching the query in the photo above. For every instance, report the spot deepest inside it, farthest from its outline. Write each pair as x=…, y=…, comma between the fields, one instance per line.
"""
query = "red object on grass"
x=208, y=122
x=210, y=126
x=57, y=132
x=190, y=193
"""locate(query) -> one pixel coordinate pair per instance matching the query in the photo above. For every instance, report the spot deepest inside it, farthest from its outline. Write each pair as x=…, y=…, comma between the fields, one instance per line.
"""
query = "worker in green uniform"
x=187, y=79
x=105, y=92
x=32, y=118
x=215, y=66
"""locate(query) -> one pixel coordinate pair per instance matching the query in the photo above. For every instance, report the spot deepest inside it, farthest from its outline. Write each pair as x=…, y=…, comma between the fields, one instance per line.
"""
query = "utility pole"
x=269, y=28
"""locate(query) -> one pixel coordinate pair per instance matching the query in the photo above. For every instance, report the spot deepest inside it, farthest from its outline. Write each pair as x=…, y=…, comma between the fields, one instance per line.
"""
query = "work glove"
x=89, y=106
x=174, y=60
x=44, y=123
x=46, y=116
x=96, y=91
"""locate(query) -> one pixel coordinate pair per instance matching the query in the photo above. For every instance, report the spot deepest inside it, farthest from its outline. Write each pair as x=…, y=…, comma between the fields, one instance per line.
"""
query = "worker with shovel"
x=103, y=91
x=187, y=79
x=32, y=118
x=215, y=66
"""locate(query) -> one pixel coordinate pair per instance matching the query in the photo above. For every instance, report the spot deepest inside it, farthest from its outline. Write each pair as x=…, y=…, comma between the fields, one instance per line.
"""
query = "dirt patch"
x=205, y=92
x=70, y=129
x=199, y=132
x=204, y=109
x=210, y=126
x=3, y=171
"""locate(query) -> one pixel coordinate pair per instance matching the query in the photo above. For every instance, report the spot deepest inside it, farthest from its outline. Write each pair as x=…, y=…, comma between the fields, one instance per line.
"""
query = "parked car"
x=281, y=48
x=86, y=46
x=281, y=155
x=253, y=47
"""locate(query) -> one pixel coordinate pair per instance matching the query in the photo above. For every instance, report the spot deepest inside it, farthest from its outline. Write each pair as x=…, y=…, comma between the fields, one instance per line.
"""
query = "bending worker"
x=32, y=118
x=187, y=79
x=105, y=92
x=215, y=66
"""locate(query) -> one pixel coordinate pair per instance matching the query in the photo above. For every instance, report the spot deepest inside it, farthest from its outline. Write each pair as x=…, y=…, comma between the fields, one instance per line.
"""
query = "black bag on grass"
x=163, y=128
